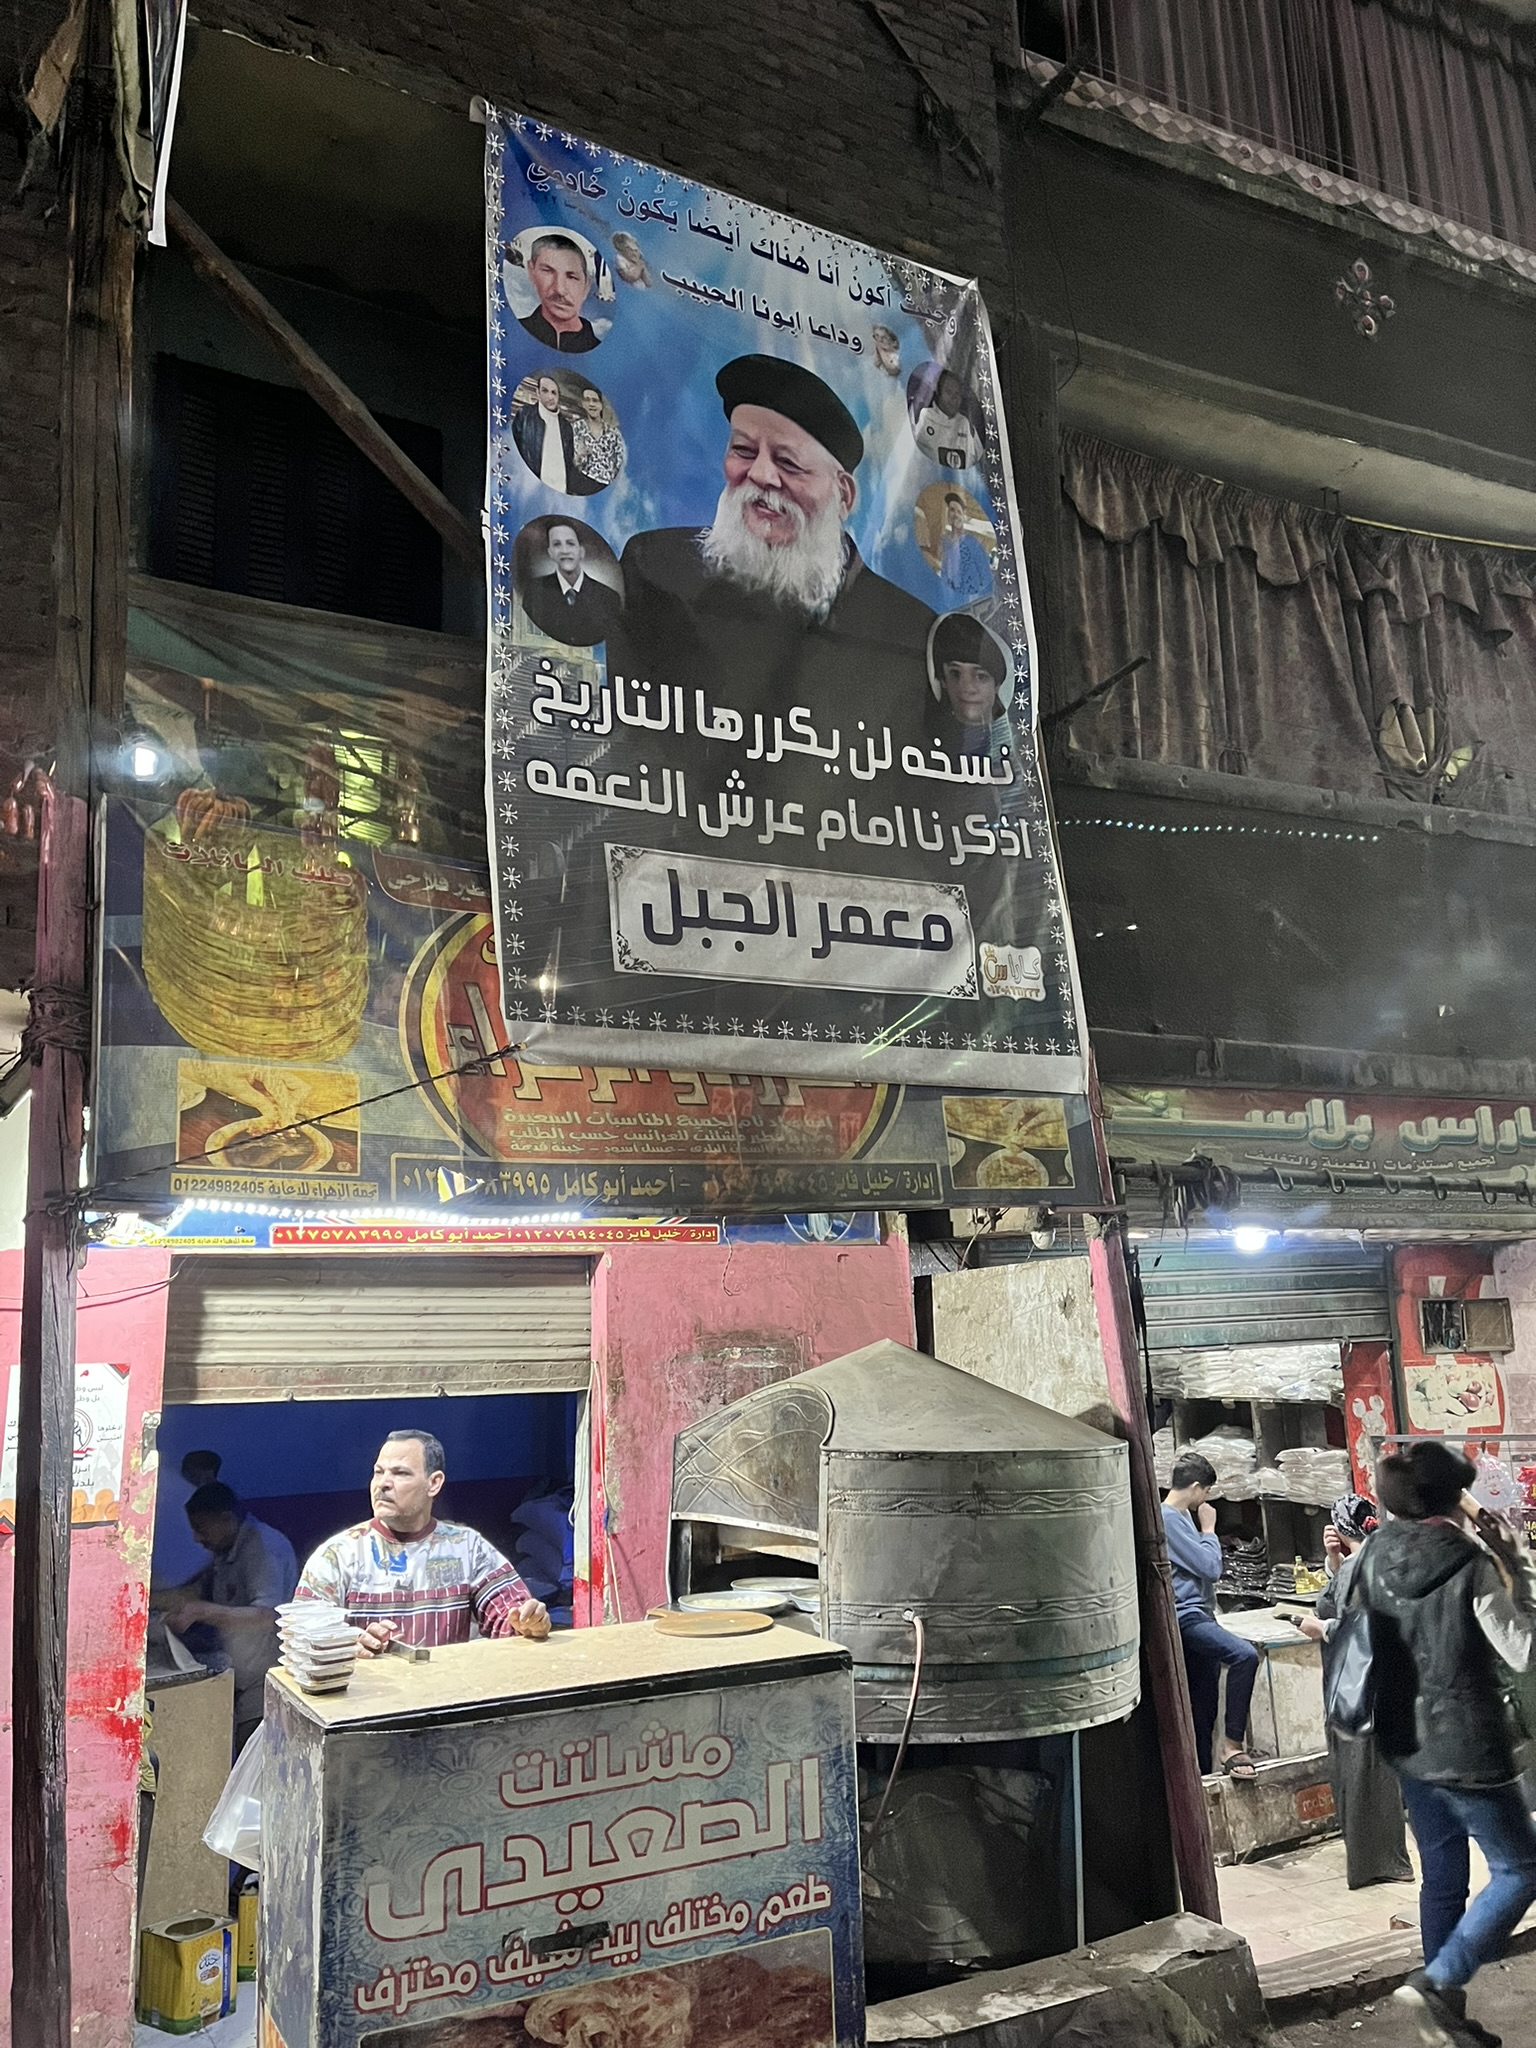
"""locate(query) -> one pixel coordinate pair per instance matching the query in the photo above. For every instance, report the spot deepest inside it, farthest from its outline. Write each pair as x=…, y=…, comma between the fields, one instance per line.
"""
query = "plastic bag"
x=234, y=1826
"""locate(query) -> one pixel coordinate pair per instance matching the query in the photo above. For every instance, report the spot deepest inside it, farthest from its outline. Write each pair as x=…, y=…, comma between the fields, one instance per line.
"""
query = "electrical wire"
x=906, y=1729
x=304, y=1123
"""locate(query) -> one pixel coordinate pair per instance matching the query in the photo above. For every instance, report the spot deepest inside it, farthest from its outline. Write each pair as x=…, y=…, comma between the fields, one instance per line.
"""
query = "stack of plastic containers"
x=319, y=1645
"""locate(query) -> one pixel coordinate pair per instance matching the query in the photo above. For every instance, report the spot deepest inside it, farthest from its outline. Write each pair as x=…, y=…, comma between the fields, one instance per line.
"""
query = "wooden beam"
x=333, y=397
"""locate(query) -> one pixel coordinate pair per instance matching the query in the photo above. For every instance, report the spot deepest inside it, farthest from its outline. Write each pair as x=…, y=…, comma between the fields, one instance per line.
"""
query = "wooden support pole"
x=45, y=1439
x=93, y=526
x=1161, y=1643
x=323, y=385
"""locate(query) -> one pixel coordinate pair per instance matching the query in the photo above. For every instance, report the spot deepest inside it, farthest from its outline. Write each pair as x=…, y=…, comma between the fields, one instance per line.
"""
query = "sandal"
x=1240, y=1765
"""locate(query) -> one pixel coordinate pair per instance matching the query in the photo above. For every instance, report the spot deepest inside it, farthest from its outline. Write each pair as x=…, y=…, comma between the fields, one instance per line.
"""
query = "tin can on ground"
x=186, y=1973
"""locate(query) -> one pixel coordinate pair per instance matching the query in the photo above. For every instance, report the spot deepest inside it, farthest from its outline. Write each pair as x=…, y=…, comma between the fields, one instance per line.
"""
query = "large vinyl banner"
x=763, y=772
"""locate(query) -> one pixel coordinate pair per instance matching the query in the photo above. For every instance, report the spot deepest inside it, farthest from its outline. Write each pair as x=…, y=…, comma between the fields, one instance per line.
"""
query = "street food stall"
x=616, y=1835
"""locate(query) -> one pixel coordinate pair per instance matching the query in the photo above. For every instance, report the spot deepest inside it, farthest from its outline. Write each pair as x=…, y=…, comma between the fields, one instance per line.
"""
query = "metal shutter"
x=1203, y=1300
x=324, y=1329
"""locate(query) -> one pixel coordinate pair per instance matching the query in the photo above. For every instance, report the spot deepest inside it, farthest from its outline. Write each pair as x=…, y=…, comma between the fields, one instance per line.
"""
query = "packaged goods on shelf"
x=1232, y=1453
x=1246, y=1567
x=1316, y=1475
x=1250, y=1372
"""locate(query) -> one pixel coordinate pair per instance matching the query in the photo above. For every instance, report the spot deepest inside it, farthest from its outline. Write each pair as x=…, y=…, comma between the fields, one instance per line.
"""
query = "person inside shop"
x=251, y=1572
x=1195, y=1554
x=177, y=1556
x=405, y=1574
x=1366, y=1793
x=1451, y=1592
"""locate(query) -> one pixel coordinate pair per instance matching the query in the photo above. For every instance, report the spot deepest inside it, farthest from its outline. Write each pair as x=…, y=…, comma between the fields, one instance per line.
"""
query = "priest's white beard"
x=805, y=572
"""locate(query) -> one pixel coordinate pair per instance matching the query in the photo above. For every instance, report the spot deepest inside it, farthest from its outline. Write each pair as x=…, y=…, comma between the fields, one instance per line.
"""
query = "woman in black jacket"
x=1447, y=1609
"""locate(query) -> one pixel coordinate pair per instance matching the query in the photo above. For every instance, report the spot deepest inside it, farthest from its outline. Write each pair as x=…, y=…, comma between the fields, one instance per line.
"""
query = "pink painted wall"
x=121, y=1322
x=679, y=1331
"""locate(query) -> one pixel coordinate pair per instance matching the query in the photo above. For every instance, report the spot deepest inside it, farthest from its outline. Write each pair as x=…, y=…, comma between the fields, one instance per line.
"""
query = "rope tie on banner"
x=61, y=1018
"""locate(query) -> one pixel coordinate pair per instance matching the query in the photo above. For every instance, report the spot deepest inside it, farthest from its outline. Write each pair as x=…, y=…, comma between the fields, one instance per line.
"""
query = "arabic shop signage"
x=390, y=985
x=1277, y=1132
x=762, y=691
x=620, y=1872
x=227, y=1227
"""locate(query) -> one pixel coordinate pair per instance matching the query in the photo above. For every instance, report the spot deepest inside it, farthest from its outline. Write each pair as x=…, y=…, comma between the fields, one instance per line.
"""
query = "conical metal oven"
x=921, y=1491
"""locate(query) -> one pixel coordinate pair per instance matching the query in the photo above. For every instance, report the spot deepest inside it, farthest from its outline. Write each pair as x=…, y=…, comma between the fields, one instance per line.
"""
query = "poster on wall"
x=101, y=1411
x=763, y=783
x=295, y=1020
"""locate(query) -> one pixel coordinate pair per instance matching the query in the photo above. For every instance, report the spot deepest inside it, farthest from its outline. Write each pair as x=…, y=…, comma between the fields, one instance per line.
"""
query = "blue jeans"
x=1207, y=1646
x=1458, y=1938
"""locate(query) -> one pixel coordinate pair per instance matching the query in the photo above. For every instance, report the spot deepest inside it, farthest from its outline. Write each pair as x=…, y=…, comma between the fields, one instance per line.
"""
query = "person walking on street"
x=1366, y=1793
x=1452, y=1598
x=1195, y=1554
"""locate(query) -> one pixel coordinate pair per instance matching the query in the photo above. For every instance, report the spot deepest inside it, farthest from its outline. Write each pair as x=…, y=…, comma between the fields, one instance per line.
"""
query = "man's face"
x=566, y=552
x=549, y=394
x=888, y=354
x=971, y=690
x=559, y=276
x=954, y=517
x=215, y=1532
x=403, y=1490
x=592, y=406
x=948, y=395
x=787, y=479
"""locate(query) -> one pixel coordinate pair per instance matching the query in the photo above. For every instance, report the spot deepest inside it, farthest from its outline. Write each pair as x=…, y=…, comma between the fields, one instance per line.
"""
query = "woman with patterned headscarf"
x=1366, y=1794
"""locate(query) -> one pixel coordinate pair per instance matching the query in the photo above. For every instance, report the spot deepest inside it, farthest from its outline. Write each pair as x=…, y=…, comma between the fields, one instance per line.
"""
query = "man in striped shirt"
x=406, y=1574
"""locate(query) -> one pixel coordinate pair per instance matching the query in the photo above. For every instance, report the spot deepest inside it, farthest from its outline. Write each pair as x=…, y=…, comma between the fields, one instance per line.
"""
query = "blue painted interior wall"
x=303, y=1466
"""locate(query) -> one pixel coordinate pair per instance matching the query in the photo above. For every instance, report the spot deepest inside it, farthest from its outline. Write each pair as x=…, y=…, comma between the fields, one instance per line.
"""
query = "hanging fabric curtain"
x=1290, y=645
x=1416, y=99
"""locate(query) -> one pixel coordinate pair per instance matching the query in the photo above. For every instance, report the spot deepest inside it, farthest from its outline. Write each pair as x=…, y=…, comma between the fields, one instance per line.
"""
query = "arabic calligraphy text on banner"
x=762, y=683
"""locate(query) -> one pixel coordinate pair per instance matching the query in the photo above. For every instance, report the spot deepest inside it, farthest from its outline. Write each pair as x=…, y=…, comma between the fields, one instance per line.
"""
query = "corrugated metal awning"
x=1199, y=1300
x=325, y=1329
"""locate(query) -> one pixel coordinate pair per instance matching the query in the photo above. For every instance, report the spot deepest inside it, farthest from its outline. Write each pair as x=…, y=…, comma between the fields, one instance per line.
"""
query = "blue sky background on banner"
x=657, y=360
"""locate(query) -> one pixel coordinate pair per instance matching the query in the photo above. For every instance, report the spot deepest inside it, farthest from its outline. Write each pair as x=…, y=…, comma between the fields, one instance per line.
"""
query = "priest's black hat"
x=800, y=395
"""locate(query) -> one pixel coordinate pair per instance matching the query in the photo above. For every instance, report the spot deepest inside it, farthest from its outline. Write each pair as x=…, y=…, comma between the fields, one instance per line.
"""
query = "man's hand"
x=1313, y=1629
x=375, y=1638
x=532, y=1620
x=186, y=1614
x=1500, y=1539
x=1206, y=1515
x=1333, y=1548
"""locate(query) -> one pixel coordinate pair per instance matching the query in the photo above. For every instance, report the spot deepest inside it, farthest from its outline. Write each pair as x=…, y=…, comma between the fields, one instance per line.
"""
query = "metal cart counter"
x=601, y=1836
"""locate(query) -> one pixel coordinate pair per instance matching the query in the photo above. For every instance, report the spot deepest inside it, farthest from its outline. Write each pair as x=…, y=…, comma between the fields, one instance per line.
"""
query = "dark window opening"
x=254, y=491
